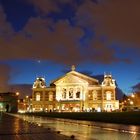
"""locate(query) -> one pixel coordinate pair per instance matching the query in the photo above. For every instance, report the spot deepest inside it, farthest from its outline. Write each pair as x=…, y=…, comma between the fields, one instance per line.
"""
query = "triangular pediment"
x=74, y=76
x=83, y=76
x=70, y=79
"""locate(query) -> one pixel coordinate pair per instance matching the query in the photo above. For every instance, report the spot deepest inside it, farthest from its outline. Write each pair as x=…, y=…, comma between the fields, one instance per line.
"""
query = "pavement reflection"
x=14, y=128
x=87, y=130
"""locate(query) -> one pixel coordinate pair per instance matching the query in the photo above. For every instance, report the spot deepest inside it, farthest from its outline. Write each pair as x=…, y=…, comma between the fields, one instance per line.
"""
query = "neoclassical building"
x=75, y=92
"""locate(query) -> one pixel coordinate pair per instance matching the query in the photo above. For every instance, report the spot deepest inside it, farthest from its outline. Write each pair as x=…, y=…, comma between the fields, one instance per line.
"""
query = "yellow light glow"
x=132, y=95
x=17, y=93
x=131, y=102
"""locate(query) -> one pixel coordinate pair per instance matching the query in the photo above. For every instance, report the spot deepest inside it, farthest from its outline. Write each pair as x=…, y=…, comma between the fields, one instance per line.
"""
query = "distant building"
x=75, y=92
x=131, y=102
x=8, y=102
x=136, y=100
x=25, y=105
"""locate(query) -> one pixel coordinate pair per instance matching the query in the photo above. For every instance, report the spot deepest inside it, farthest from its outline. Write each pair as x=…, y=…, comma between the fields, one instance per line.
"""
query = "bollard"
x=49, y=128
x=58, y=132
x=72, y=136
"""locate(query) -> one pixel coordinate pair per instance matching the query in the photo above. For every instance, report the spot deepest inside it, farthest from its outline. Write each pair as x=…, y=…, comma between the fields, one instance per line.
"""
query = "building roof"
x=79, y=75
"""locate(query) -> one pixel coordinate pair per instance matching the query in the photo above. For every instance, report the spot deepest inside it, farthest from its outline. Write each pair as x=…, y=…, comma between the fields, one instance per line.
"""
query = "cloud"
x=84, y=14
x=6, y=30
x=98, y=48
x=36, y=41
x=53, y=41
x=99, y=52
x=44, y=39
x=115, y=21
x=5, y=27
x=47, y=6
x=44, y=6
x=119, y=20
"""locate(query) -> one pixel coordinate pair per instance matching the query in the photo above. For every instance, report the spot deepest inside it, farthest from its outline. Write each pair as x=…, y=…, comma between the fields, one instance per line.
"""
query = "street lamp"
x=17, y=93
x=17, y=100
x=27, y=103
x=132, y=95
x=131, y=102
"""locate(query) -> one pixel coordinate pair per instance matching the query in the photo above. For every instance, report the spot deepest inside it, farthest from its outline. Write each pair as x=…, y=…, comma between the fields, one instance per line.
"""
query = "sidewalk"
x=13, y=128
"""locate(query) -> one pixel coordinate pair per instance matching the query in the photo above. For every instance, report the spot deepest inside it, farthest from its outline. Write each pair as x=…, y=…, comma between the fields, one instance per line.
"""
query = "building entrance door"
x=50, y=108
x=71, y=107
x=109, y=107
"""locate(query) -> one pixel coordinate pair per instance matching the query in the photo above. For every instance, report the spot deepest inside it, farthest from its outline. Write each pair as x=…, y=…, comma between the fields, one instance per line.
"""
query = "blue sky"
x=27, y=71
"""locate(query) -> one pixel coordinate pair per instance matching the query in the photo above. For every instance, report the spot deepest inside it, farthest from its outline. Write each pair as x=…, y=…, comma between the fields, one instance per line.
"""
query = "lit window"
x=38, y=97
x=64, y=93
x=108, y=95
x=94, y=95
x=71, y=93
x=78, y=93
x=50, y=97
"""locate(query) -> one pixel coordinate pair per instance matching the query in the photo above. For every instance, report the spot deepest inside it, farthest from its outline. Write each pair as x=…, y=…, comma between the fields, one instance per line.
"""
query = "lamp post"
x=17, y=98
x=28, y=105
x=130, y=102
x=133, y=100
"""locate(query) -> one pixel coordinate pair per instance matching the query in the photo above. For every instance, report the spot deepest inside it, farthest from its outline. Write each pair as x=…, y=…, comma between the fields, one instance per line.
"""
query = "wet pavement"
x=14, y=128
x=86, y=130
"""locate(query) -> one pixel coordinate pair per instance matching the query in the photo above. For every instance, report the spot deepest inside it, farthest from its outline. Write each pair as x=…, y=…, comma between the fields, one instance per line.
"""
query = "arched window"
x=78, y=93
x=50, y=96
x=64, y=92
x=71, y=93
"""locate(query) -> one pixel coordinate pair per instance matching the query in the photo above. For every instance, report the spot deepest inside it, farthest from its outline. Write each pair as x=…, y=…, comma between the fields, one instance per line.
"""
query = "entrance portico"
x=70, y=106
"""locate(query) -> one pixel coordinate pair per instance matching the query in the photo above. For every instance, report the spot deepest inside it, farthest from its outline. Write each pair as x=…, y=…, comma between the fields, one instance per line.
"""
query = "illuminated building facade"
x=75, y=92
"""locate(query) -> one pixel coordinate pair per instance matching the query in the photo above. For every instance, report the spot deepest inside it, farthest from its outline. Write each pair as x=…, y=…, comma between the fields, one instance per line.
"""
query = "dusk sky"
x=45, y=37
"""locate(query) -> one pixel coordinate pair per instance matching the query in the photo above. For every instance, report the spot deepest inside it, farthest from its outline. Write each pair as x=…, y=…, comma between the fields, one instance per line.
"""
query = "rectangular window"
x=51, y=97
x=38, y=97
x=94, y=93
x=108, y=96
x=71, y=93
x=78, y=93
x=64, y=92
